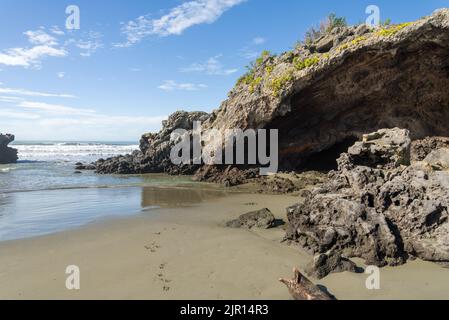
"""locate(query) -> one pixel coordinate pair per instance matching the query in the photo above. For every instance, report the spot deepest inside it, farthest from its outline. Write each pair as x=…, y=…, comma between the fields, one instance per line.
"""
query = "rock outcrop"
x=378, y=205
x=154, y=153
x=7, y=154
x=322, y=97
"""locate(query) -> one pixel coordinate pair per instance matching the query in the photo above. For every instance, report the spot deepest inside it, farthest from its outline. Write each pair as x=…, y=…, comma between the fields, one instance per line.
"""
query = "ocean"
x=42, y=194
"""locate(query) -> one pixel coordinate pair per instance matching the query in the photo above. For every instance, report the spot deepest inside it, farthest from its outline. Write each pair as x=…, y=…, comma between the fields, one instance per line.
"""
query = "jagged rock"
x=228, y=176
x=276, y=185
x=7, y=154
x=82, y=166
x=438, y=159
x=325, y=44
x=154, y=153
x=386, y=148
x=422, y=148
x=263, y=219
x=380, y=213
x=330, y=262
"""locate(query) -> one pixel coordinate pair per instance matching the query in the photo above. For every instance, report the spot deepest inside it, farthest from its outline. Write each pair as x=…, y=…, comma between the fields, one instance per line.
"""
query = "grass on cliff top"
x=255, y=76
x=387, y=31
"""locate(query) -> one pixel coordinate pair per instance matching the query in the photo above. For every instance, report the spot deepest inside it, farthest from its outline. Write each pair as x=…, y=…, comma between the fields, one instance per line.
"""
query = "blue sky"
x=134, y=62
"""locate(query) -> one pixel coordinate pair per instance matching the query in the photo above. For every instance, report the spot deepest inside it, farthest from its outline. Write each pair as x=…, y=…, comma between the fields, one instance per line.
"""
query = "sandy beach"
x=186, y=252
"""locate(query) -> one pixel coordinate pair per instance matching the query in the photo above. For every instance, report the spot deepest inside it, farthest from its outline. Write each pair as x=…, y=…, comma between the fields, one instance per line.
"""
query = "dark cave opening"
x=326, y=160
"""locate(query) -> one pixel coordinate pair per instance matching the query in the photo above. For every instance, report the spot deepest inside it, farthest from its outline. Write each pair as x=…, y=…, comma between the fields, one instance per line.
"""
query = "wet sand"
x=187, y=253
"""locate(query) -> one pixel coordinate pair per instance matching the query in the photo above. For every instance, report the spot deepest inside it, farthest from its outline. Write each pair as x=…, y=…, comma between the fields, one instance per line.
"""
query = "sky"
x=132, y=63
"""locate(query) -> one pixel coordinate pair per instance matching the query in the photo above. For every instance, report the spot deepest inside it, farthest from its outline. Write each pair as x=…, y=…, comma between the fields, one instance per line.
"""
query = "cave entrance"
x=326, y=160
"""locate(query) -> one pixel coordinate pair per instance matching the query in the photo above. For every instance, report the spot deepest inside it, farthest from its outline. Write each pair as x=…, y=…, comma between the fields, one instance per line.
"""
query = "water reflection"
x=178, y=197
x=28, y=214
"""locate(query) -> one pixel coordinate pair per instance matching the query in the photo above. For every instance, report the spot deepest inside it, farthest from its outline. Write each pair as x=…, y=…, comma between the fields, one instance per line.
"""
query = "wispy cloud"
x=177, y=20
x=55, y=108
x=89, y=44
x=258, y=41
x=42, y=45
x=9, y=113
x=171, y=85
x=251, y=51
x=24, y=92
x=212, y=66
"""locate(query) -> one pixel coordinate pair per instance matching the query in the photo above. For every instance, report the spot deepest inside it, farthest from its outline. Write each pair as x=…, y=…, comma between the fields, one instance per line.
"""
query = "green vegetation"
x=254, y=83
x=269, y=70
x=389, y=31
x=278, y=84
x=357, y=40
x=262, y=57
x=306, y=63
x=331, y=22
x=386, y=23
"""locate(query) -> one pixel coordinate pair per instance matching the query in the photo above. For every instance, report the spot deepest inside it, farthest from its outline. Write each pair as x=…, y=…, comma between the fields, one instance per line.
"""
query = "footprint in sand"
x=153, y=247
x=162, y=278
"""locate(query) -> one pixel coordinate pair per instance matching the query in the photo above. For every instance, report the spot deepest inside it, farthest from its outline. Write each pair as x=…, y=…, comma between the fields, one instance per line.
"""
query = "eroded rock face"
x=381, y=211
x=7, y=154
x=368, y=80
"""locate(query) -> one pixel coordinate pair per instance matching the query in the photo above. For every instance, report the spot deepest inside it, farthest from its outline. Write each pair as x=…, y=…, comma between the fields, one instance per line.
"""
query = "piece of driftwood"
x=302, y=288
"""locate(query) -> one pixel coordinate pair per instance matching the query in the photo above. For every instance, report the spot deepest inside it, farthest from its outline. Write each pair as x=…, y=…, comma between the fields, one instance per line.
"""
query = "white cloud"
x=258, y=41
x=43, y=45
x=55, y=108
x=8, y=113
x=57, y=31
x=40, y=37
x=171, y=85
x=89, y=44
x=177, y=20
x=24, y=92
x=26, y=57
x=61, y=75
x=211, y=67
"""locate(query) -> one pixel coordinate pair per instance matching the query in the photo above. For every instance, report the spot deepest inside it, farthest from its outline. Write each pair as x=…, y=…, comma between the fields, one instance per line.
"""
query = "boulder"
x=330, y=262
x=7, y=154
x=263, y=219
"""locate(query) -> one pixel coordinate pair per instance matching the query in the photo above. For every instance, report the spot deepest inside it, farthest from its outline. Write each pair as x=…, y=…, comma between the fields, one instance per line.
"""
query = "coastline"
x=187, y=253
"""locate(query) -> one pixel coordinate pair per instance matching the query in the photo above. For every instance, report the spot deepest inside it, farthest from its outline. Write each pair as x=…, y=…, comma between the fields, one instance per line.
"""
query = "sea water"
x=42, y=194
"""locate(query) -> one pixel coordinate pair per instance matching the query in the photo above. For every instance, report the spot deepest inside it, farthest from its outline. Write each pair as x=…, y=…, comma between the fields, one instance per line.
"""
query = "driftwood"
x=302, y=288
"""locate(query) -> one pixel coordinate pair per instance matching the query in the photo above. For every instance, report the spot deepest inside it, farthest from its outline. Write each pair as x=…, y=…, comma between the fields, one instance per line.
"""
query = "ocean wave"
x=7, y=169
x=71, y=152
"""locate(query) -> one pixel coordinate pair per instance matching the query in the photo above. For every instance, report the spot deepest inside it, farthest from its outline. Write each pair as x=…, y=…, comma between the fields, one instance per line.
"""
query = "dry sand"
x=187, y=253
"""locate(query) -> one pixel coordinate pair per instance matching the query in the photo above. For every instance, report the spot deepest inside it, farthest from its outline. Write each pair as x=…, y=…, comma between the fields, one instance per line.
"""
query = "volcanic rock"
x=7, y=154
x=378, y=211
x=330, y=262
x=263, y=219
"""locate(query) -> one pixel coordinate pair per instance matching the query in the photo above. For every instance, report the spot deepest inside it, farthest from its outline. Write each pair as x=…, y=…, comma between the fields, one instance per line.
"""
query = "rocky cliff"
x=325, y=95
x=7, y=154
